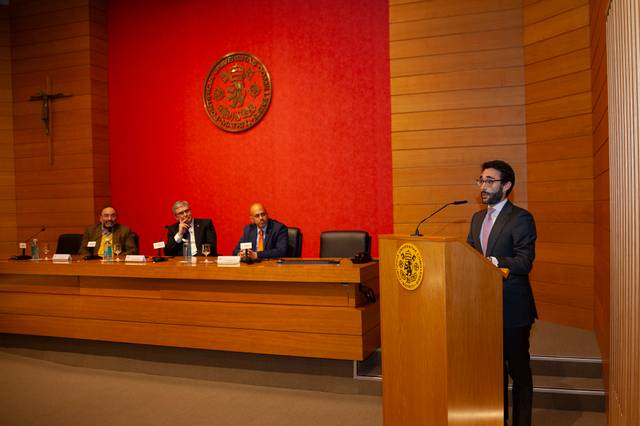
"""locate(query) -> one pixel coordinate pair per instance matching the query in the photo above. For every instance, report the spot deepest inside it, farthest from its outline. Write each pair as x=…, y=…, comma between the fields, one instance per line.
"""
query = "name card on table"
x=158, y=245
x=137, y=258
x=91, y=244
x=61, y=257
x=22, y=245
x=229, y=260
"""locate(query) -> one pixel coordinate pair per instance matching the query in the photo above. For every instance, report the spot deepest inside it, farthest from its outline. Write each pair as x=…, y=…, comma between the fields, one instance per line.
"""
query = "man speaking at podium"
x=506, y=235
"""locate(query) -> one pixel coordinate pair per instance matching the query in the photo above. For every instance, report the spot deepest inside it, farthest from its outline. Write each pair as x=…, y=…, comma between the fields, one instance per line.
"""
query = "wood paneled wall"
x=559, y=156
x=472, y=81
x=65, y=43
x=601, y=231
x=8, y=233
x=457, y=100
x=623, y=71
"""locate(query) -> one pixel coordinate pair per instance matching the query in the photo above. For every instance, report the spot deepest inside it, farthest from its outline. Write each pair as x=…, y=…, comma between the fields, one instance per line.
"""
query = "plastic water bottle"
x=35, y=250
x=108, y=252
x=186, y=251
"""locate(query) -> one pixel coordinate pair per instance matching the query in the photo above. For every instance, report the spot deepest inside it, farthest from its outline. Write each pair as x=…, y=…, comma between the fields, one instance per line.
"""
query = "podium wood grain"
x=301, y=310
x=442, y=342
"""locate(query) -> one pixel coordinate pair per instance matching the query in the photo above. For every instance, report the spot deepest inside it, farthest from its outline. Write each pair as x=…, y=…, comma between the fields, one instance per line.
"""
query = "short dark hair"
x=506, y=172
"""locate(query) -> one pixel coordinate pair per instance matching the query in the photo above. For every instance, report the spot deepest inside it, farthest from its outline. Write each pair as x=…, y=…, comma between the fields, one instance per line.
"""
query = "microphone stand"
x=160, y=257
x=92, y=256
x=417, y=233
x=246, y=259
x=25, y=256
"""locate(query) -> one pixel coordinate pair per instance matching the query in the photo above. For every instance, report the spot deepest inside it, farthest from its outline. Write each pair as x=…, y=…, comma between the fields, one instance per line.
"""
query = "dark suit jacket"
x=275, y=242
x=204, y=231
x=121, y=234
x=512, y=241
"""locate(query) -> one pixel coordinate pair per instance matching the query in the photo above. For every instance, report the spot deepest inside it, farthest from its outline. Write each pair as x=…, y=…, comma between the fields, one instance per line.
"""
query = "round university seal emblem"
x=409, y=266
x=237, y=92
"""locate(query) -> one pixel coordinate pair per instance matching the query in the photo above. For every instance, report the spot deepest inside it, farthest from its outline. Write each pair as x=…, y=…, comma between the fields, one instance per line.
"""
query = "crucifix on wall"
x=46, y=97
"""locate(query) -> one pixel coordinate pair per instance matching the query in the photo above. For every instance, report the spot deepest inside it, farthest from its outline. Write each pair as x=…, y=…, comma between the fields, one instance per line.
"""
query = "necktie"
x=486, y=229
x=261, y=240
x=187, y=239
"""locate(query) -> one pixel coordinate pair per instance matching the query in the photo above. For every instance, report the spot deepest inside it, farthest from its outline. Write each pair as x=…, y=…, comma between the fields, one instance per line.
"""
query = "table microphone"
x=160, y=257
x=457, y=202
x=25, y=256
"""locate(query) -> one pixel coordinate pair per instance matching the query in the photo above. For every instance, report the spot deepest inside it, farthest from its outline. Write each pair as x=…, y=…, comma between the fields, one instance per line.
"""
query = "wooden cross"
x=45, y=97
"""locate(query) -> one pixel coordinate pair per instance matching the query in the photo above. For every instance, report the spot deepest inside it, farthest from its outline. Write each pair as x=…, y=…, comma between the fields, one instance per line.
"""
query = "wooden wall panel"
x=65, y=44
x=457, y=99
x=600, y=150
x=8, y=233
x=559, y=156
x=623, y=80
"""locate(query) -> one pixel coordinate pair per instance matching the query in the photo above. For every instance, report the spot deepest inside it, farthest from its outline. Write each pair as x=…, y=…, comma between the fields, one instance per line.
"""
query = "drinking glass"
x=46, y=250
x=117, y=249
x=206, y=249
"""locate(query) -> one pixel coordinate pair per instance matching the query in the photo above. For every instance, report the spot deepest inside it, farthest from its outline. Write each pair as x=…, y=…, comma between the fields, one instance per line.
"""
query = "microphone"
x=24, y=256
x=457, y=202
x=159, y=257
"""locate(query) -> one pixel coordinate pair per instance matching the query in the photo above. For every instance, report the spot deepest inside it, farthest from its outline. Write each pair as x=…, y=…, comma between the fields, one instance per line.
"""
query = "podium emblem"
x=409, y=266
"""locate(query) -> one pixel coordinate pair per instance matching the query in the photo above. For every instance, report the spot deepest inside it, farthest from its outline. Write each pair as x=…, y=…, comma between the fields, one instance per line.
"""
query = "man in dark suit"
x=506, y=235
x=194, y=232
x=268, y=237
x=108, y=230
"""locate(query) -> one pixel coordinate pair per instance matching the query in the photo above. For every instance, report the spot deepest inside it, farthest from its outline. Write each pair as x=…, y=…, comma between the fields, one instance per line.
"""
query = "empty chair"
x=294, y=247
x=68, y=243
x=344, y=243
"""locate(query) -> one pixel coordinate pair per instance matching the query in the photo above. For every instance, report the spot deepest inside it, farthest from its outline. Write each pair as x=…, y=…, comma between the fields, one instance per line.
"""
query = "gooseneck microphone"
x=24, y=256
x=457, y=202
x=160, y=257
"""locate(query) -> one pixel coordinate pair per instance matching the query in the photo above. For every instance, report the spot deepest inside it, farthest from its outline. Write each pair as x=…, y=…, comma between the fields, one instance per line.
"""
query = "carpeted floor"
x=36, y=392
x=46, y=381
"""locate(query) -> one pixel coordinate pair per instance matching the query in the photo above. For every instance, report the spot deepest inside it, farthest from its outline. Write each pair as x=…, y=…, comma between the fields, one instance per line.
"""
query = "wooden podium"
x=442, y=341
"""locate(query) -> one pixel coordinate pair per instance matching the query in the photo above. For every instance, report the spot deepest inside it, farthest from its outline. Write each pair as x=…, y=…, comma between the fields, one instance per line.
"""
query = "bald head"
x=258, y=215
x=108, y=217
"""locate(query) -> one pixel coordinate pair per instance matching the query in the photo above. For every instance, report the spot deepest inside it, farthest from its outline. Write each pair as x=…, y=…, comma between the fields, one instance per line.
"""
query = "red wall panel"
x=319, y=159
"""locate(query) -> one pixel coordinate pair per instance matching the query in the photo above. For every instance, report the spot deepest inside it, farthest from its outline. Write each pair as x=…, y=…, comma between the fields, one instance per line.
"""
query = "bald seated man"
x=108, y=230
x=268, y=237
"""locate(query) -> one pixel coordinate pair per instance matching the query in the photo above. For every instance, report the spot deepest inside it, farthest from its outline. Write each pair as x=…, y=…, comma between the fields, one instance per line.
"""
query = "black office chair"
x=136, y=239
x=294, y=247
x=344, y=243
x=69, y=243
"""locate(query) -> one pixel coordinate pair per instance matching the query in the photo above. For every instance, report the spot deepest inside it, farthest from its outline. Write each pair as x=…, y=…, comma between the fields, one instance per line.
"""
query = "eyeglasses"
x=259, y=215
x=489, y=181
x=183, y=212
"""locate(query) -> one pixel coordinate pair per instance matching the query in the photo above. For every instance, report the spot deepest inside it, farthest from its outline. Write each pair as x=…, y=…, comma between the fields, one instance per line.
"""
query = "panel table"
x=269, y=308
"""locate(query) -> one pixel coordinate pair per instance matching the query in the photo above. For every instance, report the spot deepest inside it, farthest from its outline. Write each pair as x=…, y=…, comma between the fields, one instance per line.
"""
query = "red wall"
x=319, y=159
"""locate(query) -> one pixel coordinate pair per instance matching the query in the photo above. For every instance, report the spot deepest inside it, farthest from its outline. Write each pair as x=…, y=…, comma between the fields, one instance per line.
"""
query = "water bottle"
x=35, y=250
x=186, y=251
x=108, y=252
